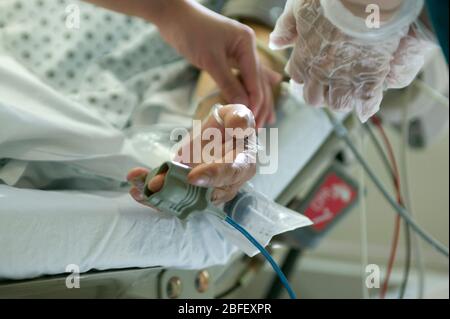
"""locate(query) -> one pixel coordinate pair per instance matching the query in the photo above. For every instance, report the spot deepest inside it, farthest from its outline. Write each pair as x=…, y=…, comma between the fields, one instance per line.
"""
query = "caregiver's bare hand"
x=218, y=45
x=213, y=43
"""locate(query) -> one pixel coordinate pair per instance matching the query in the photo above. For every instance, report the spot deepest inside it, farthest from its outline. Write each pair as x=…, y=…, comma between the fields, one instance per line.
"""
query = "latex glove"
x=229, y=165
x=218, y=45
x=341, y=71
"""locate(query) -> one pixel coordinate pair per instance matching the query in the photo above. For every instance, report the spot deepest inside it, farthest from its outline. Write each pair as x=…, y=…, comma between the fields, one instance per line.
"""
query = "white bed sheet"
x=41, y=232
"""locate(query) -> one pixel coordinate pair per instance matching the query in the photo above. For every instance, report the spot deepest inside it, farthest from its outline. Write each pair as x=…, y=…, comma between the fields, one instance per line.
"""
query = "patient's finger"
x=223, y=195
x=237, y=116
x=223, y=174
x=137, y=195
x=156, y=183
x=137, y=178
x=137, y=173
x=233, y=116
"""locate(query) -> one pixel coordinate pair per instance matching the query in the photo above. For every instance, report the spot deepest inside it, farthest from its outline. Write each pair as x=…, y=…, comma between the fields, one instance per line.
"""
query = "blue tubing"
x=266, y=254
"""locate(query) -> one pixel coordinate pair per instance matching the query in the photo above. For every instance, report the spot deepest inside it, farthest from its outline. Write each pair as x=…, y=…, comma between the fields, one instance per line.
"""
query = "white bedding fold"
x=41, y=232
x=39, y=124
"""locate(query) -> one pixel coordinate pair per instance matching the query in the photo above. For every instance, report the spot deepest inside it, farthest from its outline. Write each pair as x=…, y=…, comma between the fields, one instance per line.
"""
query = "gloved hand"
x=342, y=71
x=226, y=165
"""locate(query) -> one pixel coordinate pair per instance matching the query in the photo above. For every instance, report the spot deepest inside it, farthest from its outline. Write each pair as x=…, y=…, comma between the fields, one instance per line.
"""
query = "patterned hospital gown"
x=114, y=64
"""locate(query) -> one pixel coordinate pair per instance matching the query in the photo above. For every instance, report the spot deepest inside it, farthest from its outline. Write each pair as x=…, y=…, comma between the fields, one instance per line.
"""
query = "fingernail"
x=138, y=182
x=137, y=195
x=202, y=181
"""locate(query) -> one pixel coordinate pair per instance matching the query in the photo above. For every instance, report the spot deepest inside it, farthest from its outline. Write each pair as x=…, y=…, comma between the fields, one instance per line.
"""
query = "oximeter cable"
x=243, y=231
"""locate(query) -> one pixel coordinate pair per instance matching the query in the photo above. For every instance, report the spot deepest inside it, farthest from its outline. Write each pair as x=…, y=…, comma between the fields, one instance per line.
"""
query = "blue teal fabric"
x=438, y=12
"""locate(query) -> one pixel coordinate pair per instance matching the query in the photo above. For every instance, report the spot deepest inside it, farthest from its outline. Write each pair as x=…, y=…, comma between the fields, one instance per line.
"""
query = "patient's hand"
x=226, y=166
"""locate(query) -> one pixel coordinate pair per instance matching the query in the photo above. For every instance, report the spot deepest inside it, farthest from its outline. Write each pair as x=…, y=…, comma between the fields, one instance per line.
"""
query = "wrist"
x=364, y=26
x=161, y=12
x=388, y=8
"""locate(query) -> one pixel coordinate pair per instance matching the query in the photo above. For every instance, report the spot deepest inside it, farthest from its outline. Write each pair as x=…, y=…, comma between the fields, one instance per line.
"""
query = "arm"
x=218, y=45
x=211, y=42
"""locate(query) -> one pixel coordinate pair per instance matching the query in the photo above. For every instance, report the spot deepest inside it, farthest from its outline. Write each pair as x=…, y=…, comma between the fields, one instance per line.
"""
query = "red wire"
x=396, y=179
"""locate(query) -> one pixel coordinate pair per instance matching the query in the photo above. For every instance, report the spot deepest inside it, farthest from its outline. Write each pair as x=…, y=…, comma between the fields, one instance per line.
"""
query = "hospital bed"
x=307, y=147
x=102, y=225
